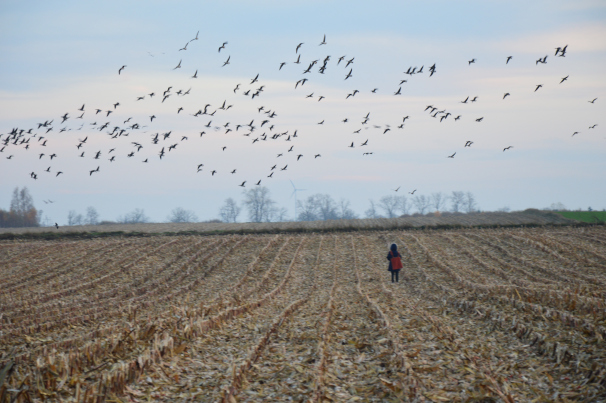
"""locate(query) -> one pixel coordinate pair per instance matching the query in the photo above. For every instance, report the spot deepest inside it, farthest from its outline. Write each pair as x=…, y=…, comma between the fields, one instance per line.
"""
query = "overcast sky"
x=58, y=56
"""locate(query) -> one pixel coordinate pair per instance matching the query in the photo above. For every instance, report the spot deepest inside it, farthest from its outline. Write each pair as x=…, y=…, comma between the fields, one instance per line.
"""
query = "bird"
x=227, y=61
x=564, y=79
x=507, y=148
x=254, y=80
x=258, y=183
x=184, y=47
x=592, y=101
x=82, y=108
x=120, y=69
x=479, y=119
x=593, y=127
x=471, y=61
x=242, y=184
x=398, y=92
x=508, y=59
x=506, y=94
x=323, y=41
x=574, y=134
x=282, y=65
x=348, y=74
x=468, y=143
x=316, y=156
x=58, y=173
x=178, y=65
x=374, y=91
x=298, y=47
x=538, y=86
x=463, y=102
x=56, y=225
x=352, y=145
x=398, y=188
x=222, y=46
x=452, y=156
x=195, y=74
x=413, y=192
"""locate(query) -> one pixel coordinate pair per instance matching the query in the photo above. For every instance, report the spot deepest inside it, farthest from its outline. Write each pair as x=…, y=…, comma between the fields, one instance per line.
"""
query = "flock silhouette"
x=261, y=129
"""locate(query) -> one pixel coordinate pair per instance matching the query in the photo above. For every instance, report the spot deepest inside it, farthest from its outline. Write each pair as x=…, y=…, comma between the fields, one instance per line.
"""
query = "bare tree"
x=179, y=214
x=327, y=208
x=74, y=218
x=308, y=209
x=390, y=205
x=230, y=211
x=92, y=217
x=469, y=203
x=422, y=203
x=134, y=217
x=438, y=201
x=259, y=204
x=372, y=210
x=278, y=214
x=404, y=205
x=457, y=199
x=345, y=212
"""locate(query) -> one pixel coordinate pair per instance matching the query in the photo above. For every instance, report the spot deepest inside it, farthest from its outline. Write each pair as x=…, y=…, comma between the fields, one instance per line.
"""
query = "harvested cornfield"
x=479, y=315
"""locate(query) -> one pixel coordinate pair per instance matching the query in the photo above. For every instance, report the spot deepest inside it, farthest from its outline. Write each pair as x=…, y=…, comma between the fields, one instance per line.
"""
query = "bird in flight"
x=298, y=47
x=506, y=94
x=254, y=80
x=395, y=190
x=452, y=156
x=564, y=79
x=227, y=61
x=119, y=71
x=593, y=127
x=323, y=41
x=413, y=192
x=195, y=74
x=508, y=59
x=398, y=92
x=468, y=143
x=574, y=134
x=471, y=61
x=538, y=86
x=592, y=101
x=178, y=65
x=242, y=184
x=507, y=148
x=479, y=119
x=222, y=46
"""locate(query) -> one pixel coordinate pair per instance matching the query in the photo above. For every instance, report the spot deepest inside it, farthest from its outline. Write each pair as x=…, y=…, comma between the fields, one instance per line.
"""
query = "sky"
x=64, y=57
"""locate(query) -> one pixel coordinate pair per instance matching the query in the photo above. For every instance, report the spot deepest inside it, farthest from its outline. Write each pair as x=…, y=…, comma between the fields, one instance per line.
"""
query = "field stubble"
x=504, y=315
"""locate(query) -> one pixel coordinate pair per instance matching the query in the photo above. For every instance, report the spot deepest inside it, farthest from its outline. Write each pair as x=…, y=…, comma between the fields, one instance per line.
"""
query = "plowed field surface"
x=478, y=315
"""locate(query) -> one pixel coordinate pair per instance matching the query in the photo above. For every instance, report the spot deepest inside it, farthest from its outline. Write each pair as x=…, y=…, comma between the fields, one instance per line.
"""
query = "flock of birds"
x=266, y=127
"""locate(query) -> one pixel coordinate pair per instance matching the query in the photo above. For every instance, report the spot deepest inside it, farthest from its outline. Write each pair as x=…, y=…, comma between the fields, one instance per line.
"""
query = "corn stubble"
x=479, y=315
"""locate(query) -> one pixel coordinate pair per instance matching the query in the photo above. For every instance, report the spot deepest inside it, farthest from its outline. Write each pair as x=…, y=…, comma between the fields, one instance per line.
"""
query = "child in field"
x=395, y=263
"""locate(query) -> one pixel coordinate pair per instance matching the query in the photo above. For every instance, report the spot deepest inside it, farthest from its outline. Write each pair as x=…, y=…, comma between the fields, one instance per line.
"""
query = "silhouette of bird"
x=463, y=102
x=468, y=143
x=298, y=47
x=471, y=61
x=242, y=184
x=120, y=69
x=538, y=86
x=413, y=192
x=227, y=61
x=592, y=101
x=222, y=46
x=506, y=95
x=178, y=65
x=564, y=79
x=258, y=183
x=593, y=127
x=398, y=92
x=195, y=74
x=508, y=59
x=452, y=156
x=323, y=40
x=479, y=119
x=574, y=134
x=58, y=173
x=507, y=148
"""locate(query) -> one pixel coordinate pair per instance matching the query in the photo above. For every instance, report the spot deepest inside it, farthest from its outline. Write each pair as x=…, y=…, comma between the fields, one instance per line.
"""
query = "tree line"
x=259, y=207
x=262, y=208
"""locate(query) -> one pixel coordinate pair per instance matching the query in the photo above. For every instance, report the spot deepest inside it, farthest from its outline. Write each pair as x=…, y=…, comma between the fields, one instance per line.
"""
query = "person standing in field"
x=395, y=263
